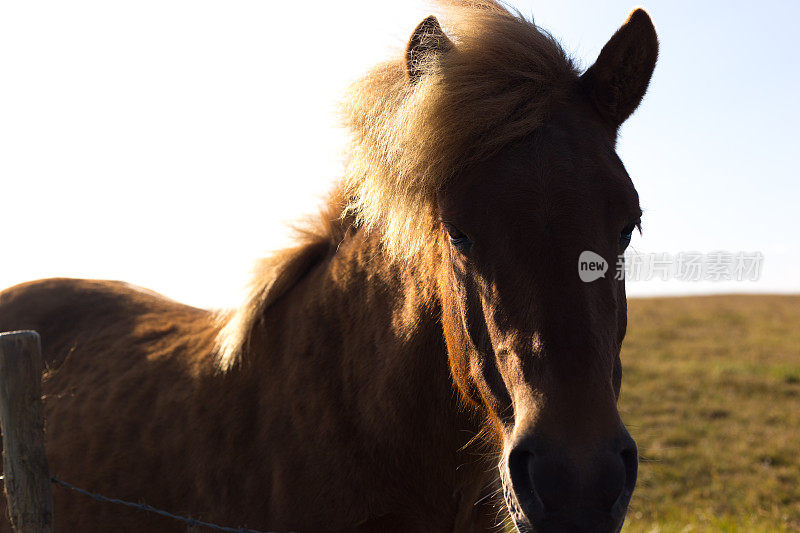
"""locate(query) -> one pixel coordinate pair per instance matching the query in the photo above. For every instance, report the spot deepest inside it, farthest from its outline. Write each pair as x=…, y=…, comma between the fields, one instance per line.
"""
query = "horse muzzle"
x=548, y=489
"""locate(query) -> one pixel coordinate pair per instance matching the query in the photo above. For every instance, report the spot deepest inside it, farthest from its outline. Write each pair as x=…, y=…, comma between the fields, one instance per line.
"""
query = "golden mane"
x=272, y=276
x=494, y=87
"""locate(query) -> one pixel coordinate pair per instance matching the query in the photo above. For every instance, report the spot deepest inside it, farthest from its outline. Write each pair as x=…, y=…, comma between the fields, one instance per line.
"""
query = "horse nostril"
x=519, y=473
x=630, y=458
x=542, y=484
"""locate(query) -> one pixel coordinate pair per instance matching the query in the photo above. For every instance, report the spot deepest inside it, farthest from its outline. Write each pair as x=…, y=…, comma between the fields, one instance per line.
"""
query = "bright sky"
x=167, y=143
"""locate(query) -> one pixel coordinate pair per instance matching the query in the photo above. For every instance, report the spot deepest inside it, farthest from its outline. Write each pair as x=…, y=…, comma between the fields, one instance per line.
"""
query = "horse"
x=424, y=358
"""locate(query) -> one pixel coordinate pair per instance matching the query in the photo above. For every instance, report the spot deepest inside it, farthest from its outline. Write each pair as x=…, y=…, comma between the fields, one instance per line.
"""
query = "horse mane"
x=496, y=86
x=316, y=238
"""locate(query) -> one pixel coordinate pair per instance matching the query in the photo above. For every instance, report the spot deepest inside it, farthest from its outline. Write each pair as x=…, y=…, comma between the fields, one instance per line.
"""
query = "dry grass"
x=712, y=395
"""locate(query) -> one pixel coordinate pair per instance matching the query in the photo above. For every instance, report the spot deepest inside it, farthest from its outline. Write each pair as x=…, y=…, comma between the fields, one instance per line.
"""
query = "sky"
x=171, y=143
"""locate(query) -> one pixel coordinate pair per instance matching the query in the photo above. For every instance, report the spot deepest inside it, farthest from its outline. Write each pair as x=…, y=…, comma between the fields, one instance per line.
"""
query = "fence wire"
x=150, y=509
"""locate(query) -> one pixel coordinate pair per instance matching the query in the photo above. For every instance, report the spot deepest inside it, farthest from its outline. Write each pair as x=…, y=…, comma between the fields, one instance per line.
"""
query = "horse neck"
x=357, y=347
x=373, y=322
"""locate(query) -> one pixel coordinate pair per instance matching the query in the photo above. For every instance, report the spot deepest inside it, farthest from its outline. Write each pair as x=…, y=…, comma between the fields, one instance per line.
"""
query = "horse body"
x=314, y=433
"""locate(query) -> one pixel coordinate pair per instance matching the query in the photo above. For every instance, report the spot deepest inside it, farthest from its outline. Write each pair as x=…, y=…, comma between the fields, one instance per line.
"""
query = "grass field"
x=711, y=393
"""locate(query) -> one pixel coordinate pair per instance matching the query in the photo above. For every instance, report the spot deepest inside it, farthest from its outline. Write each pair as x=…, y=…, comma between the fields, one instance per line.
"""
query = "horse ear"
x=427, y=40
x=619, y=78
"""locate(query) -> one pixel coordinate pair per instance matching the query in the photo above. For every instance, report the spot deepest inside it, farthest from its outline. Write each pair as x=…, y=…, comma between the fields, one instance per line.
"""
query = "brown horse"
x=429, y=327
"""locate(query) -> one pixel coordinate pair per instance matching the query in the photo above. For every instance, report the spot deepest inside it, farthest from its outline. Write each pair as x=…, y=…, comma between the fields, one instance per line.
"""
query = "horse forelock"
x=495, y=86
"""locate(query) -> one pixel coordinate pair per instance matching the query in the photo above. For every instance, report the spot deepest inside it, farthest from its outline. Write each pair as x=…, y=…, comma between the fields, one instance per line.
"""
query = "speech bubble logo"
x=591, y=266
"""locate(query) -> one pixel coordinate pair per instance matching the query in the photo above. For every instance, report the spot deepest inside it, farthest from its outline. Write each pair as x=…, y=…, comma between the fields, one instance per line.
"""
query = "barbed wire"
x=150, y=509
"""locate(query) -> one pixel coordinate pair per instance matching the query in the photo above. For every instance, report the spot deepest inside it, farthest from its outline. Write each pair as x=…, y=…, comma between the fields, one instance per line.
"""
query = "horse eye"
x=458, y=238
x=626, y=234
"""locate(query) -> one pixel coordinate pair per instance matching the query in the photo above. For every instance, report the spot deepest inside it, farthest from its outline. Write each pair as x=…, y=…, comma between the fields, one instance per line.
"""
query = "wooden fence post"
x=27, y=477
